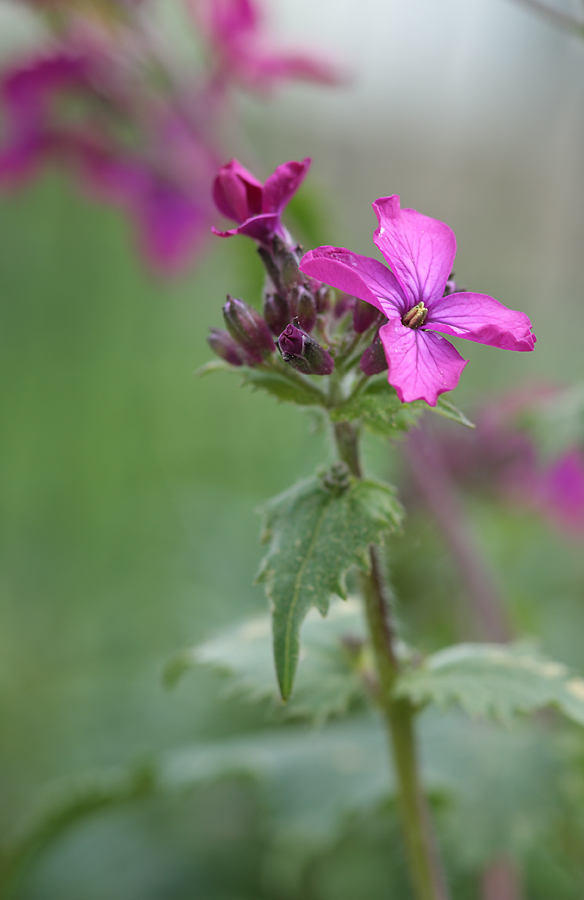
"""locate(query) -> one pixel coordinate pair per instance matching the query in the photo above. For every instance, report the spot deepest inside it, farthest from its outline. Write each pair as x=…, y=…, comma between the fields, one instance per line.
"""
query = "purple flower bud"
x=225, y=347
x=247, y=327
x=364, y=315
x=286, y=258
x=276, y=313
x=373, y=360
x=302, y=352
x=306, y=310
x=291, y=341
x=452, y=287
x=344, y=304
x=323, y=297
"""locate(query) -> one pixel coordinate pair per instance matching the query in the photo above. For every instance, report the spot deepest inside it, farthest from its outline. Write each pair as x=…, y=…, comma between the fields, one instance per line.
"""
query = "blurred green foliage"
x=127, y=490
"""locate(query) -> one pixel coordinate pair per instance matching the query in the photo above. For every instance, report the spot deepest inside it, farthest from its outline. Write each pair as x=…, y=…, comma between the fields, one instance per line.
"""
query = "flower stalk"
x=425, y=867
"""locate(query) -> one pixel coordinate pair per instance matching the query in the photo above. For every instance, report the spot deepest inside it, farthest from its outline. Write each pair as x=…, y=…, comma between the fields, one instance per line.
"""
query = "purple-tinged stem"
x=555, y=16
x=432, y=479
x=500, y=880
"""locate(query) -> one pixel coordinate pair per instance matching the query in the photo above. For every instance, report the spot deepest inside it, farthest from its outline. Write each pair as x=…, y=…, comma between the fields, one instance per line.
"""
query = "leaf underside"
x=494, y=681
x=315, y=536
x=329, y=681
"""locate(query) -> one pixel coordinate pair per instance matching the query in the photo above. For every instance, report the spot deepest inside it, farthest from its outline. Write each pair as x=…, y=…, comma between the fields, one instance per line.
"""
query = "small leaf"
x=329, y=680
x=316, y=535
x=284, y=388
x=380, y=409
x=447, y=409
x=494, y=680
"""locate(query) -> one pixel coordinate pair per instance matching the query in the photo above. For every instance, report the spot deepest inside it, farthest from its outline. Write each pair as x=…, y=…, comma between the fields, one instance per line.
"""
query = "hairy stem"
x=424, y=863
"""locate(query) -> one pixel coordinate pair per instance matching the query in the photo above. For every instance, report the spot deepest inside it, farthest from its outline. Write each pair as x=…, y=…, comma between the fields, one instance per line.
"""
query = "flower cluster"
x=384, y=318
x=107, y=99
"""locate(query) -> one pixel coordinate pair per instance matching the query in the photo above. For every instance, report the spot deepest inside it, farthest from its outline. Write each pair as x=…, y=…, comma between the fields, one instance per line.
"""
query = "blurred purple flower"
x=161, y=179
x=420, y=251
x=501, y=456
x=560, y=491
x=257, y=207
x=244, y=52
x=28, y=91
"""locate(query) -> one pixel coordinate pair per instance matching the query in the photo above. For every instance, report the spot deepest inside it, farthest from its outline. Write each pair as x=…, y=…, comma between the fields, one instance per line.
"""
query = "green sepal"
x=317, y=531
x=283, y=387
x=379, y=408
x=449, y=411
x=494, y=681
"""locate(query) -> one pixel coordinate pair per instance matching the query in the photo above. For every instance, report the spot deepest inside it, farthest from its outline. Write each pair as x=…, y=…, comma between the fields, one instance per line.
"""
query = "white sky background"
x=473, y=111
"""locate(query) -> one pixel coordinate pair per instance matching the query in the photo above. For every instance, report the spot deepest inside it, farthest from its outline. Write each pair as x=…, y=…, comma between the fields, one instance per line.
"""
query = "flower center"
x=416, y=316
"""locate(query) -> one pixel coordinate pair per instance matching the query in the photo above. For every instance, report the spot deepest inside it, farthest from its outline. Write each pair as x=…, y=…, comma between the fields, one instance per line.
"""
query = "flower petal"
x=480, y=318
x=360, y=276
x=282, y=184
x=422, y=365
x=236, y=192
x=420, y=250
x=260, y=228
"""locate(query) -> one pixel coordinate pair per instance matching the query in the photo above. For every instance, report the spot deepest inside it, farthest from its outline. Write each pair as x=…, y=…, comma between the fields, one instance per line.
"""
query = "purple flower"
x=257, y=207
x=165, y=195
x=244, y=51
x=420, y=251
x=27, y=92
x=161, y=181
x=561, y=491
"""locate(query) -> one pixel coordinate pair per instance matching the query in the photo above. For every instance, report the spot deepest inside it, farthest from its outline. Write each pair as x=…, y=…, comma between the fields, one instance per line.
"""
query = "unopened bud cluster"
x=311, y=326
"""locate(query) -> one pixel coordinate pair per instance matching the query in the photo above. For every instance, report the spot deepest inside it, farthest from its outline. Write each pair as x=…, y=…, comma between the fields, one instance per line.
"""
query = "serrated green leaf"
x=449, y=411
x=315, y=536
x=328, y=682
x=284, y=388
x=494, y=680
x=380, y=409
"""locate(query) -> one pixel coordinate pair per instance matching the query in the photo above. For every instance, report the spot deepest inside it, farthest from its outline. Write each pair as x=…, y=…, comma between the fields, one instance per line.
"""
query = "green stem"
x=320, y=398
x=425, y=868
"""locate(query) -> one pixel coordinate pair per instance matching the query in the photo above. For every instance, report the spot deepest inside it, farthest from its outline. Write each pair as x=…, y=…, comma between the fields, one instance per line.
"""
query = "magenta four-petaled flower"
x=420, y=251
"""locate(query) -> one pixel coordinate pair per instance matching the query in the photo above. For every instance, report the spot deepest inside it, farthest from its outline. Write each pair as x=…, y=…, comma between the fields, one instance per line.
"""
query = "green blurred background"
x=128, y=487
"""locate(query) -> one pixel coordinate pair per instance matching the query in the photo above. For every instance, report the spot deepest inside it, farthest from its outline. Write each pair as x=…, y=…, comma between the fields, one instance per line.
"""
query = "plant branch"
x=431, y=477
x=555, y=16
x=425, y=868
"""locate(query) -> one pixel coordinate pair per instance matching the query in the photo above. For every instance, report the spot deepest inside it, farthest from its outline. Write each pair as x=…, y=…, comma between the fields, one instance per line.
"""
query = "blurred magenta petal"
x=561, y=491
x=478, y=317
x=246, y=52
x=359, y=276
x=421, y=365
x=27, y=91
x=420, y=250
x=282, y=184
